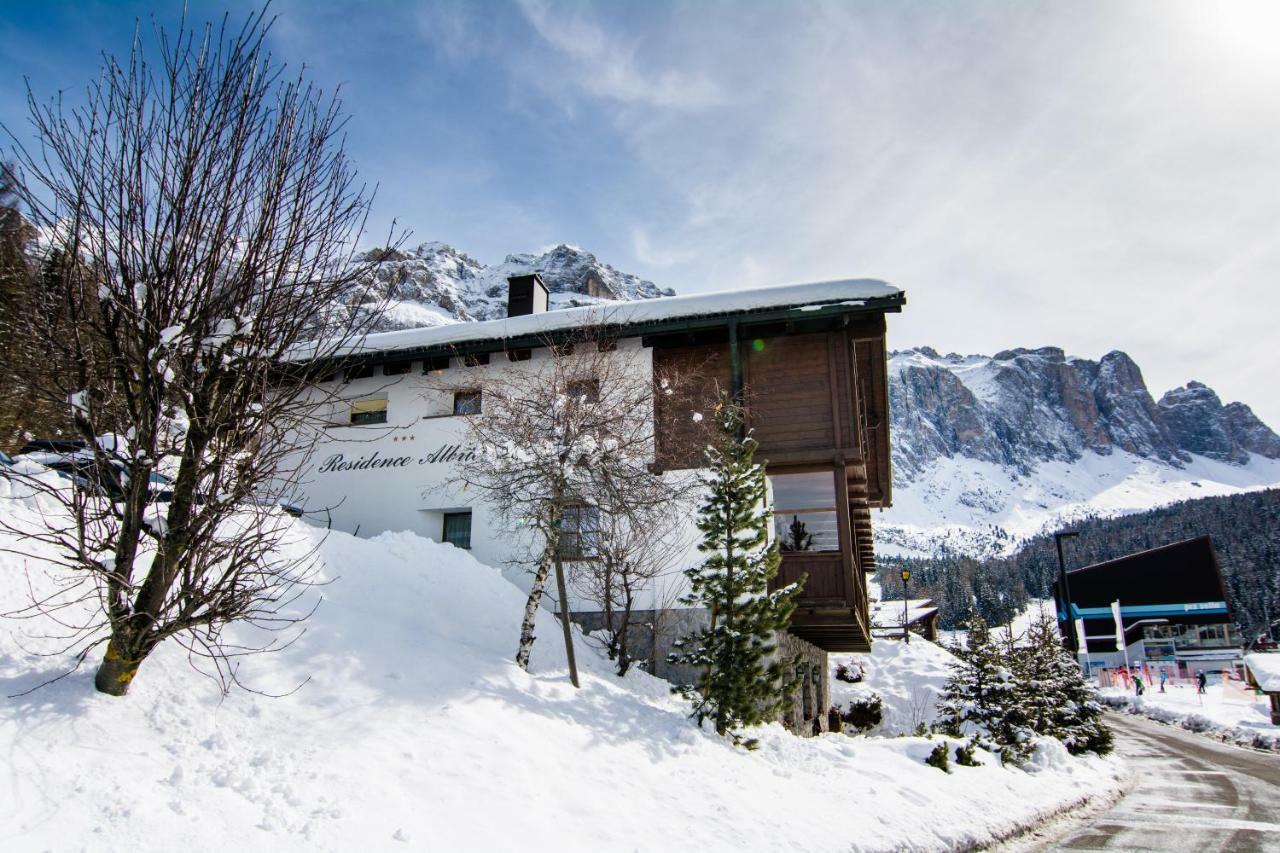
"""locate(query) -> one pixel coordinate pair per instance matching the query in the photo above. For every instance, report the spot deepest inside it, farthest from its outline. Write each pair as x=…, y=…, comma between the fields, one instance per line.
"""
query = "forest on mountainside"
x=1246, y=535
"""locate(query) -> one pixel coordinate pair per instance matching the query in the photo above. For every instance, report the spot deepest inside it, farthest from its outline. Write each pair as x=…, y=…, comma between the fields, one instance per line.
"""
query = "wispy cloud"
x=658, y=257
x=607, y=66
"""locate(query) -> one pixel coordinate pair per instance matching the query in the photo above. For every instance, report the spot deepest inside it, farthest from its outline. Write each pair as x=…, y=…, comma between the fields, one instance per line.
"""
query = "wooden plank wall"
x=789, y=392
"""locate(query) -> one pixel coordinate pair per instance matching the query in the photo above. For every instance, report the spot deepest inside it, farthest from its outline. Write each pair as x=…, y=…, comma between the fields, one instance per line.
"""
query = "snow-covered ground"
x=412, y=729
x=976, y=507
x=1227, y=711
x=908, y=677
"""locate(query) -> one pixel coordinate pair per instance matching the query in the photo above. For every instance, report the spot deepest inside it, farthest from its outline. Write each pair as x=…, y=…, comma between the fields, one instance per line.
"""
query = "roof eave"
x=890, y=304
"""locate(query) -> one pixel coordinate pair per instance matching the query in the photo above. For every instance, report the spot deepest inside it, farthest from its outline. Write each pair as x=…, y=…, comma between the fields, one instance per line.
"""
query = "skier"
x=1137, y=683
x=1164, y=676
x=1201, y=681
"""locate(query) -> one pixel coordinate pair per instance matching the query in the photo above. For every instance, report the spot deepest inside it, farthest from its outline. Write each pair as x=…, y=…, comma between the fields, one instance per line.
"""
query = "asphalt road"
x=1192, y=794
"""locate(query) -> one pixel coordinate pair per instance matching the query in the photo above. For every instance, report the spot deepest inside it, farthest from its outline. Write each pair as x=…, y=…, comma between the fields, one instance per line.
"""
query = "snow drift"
x=411, y=728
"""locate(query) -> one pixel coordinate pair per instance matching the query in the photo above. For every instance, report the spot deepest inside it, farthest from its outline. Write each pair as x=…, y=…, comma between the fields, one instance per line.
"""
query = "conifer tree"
x=983, y=698
x=743, y=683
x=1061, y=703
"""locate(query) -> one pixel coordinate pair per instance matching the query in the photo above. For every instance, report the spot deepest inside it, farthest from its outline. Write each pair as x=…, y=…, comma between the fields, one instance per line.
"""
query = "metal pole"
x=1120, y=630
x=906, y=628
x=735, y=364
x=1066, y=590
x=564, y=621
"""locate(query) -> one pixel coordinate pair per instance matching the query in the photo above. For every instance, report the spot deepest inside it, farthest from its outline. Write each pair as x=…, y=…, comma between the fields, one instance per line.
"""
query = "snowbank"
x=415, y=731
x=908, y=677
x=1228, y=713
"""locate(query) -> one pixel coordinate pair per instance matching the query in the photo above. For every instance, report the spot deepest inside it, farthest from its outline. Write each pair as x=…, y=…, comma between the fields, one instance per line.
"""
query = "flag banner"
x=1115, y=613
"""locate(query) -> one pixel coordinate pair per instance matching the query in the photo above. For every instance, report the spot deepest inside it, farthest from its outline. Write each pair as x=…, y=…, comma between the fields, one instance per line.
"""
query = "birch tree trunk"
x=531, y=610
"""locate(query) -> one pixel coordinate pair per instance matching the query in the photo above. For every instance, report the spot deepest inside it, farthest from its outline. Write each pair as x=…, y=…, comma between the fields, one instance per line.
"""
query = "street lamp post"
x=1066, y=588
x=906, y=629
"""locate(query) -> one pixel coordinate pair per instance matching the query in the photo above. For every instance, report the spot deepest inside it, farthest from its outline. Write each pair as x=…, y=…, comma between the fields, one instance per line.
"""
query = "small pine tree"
x=940, y=757
x=1064, y=704
x=742, y=682
x=983, y=697
x=965, y=756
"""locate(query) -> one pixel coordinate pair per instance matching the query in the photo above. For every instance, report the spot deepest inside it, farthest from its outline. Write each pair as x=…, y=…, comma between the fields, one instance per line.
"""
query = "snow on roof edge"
x=1266, y=670
x=800, y=295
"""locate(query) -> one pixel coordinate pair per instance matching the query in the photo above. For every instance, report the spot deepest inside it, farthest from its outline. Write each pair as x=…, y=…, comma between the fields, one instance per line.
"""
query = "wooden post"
x=564, y=621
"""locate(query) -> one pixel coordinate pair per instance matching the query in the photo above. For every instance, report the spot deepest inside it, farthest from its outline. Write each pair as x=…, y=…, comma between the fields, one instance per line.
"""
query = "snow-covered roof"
x=1266, y=670
x=888, y=614
x=856, y=292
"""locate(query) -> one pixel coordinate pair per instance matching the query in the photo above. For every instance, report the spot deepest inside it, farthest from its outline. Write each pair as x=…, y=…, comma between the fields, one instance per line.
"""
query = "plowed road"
x=1192, y=794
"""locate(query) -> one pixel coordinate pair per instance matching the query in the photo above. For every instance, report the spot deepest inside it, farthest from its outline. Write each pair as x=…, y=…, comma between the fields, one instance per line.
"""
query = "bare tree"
x=564, y=439
x=634, y=546
x=207, y=215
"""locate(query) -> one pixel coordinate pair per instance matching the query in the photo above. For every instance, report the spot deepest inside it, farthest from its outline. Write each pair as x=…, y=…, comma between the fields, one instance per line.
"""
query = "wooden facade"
x=815, y=396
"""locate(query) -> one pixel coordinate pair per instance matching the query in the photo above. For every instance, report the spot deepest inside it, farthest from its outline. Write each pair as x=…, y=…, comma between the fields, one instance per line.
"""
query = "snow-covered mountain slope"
x=411, y=729
x=988, y=450
x=434, y=283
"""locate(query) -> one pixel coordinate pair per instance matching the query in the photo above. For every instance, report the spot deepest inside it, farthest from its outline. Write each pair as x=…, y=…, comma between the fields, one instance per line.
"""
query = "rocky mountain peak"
x=434, y=283
x=1022, y=407
x=1202, y=424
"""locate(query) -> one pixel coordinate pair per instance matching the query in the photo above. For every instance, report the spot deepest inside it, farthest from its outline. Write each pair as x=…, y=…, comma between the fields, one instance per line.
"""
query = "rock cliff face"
x=988, y=450
x=434, y=283
x=1201, y=424
x=1022, y=407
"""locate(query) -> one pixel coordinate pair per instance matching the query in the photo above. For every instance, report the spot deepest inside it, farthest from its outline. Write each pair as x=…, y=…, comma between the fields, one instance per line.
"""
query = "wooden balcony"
x=831, y=610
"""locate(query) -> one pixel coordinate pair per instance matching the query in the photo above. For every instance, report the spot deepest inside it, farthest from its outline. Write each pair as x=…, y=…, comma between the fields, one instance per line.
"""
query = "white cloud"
x=607, y=67
x=1093, y=177
x=657, y=257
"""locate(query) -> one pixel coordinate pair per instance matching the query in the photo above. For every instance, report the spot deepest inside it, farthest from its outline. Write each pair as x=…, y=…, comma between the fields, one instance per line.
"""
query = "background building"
x=1173, y=609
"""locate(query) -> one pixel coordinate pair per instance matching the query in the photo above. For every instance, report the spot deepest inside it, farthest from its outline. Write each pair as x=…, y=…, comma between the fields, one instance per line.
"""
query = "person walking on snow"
x=1200, y=681
x=1164, y=676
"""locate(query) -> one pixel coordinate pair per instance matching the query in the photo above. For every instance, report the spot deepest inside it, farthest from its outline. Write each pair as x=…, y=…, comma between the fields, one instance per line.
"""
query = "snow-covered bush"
x=863, y=714
x=848, y=674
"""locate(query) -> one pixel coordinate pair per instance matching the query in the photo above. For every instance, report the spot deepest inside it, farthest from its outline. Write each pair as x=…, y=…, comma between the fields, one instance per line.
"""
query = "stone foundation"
x=812, y=695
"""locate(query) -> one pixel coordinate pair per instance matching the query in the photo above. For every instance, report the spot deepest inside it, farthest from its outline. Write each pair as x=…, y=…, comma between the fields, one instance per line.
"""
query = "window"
x=359, y=371
x=584, y=389
x=466, y=402
x=397, y=368
x=520, y=354
x=457, y=529
x=435, y=364
x=475, y=359
x=369, y=412
x=579, y=529
x=804, y=511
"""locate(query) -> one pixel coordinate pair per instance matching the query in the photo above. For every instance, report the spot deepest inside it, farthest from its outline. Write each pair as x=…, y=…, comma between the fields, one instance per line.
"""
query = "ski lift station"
x=1166, y=606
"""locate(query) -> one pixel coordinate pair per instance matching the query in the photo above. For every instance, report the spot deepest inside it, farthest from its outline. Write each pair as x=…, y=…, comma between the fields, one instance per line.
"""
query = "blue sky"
x=1092, y=175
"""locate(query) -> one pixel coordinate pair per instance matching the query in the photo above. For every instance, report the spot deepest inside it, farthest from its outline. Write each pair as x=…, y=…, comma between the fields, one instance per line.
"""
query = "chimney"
x=526, y=294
